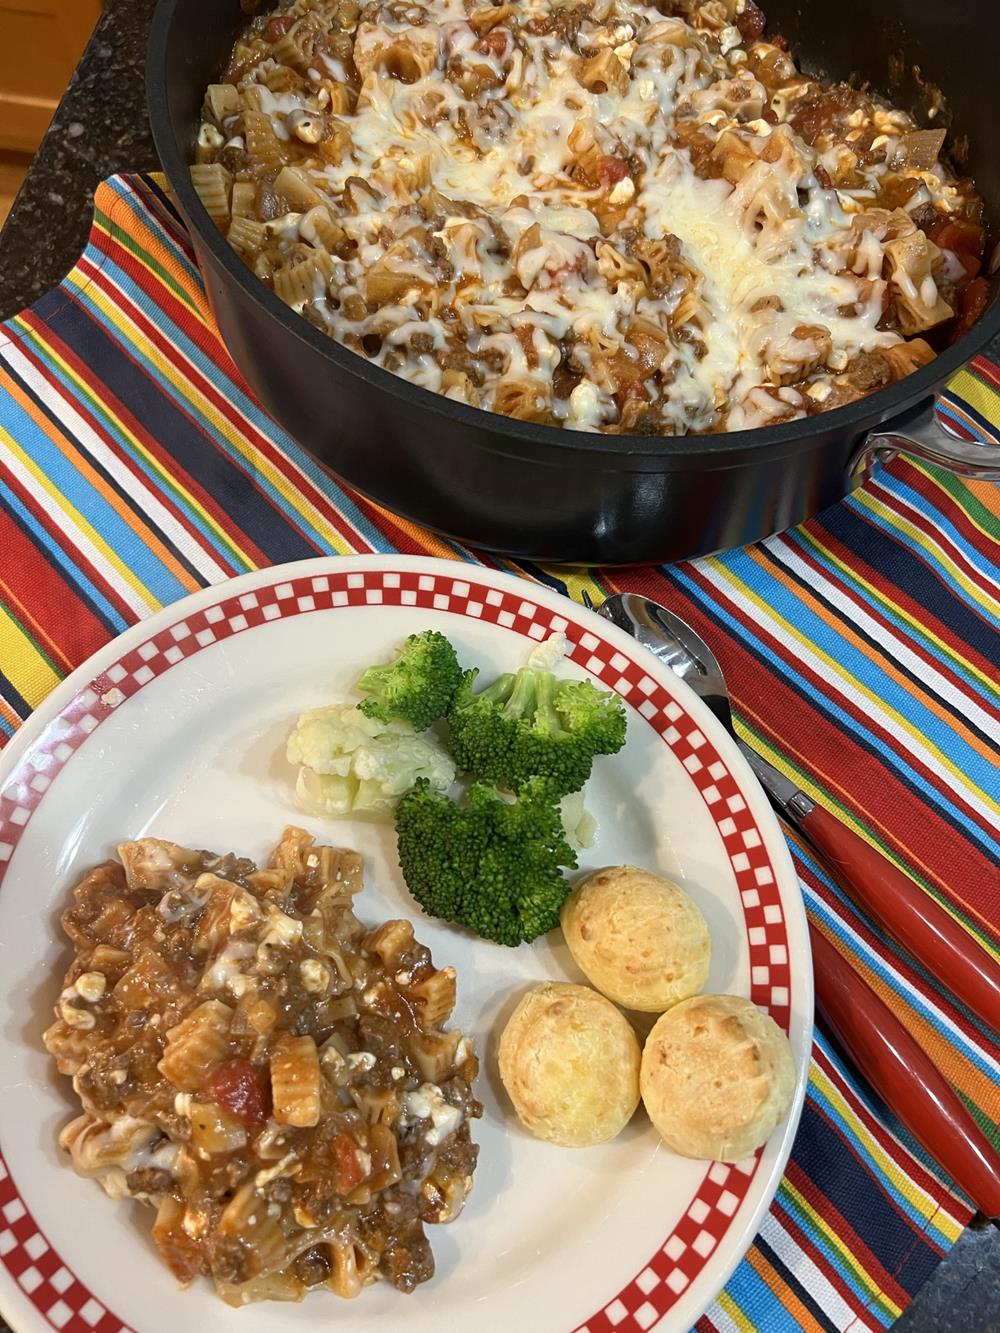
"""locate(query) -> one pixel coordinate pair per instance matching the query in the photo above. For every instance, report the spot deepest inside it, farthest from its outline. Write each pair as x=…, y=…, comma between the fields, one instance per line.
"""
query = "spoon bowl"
x=674, y=643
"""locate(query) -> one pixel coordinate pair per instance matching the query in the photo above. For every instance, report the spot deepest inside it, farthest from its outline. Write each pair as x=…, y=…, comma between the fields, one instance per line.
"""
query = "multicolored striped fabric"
x=861, y=648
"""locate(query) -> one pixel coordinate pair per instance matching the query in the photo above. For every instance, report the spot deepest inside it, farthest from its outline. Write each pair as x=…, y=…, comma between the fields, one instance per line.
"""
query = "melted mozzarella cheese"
x=736, y=278
x=500, y=142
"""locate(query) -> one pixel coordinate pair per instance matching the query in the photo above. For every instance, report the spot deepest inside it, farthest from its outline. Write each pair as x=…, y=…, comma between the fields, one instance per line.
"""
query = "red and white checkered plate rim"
x=59, y=1295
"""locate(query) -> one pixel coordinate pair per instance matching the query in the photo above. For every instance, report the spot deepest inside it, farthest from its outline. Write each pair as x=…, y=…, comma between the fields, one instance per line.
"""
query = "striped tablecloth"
x=862, y=651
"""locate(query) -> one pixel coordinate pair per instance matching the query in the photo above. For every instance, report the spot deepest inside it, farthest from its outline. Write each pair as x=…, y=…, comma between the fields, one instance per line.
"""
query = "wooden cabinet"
x=40, y=44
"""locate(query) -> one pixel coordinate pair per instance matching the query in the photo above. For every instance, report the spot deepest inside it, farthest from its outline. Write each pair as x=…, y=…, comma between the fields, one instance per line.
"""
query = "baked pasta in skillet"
x=610, y=216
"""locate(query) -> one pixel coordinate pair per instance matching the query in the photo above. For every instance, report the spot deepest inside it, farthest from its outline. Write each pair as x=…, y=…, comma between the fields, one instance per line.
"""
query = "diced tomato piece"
x=630, y=388
x=962, y=237
x=241, y=1090
x=952, y=235
x=971, y=304
x=494, y=43
x=611, y=170
x=350, y=1170
x=751, y=23
x=277, y=28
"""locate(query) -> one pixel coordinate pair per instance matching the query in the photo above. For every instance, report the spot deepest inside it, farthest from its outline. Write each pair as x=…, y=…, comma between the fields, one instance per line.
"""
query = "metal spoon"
x=890, y=1058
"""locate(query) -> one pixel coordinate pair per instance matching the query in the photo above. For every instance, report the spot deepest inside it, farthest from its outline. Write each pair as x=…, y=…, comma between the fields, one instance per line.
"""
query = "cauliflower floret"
x=548, y=654
x=579, y=824
x=351, y=764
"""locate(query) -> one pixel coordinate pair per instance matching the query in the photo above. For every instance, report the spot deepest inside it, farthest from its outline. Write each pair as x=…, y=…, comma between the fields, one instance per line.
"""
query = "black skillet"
x=543, y=493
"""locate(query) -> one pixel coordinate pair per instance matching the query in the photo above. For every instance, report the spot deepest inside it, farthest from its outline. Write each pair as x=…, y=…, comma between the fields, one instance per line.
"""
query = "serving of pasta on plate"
x=613, y=217
x=271, y=1077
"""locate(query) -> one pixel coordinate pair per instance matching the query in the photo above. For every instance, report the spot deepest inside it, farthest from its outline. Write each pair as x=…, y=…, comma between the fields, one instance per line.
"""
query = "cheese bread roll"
x=570, y=1063
x=717, y=1077
x=637, y=937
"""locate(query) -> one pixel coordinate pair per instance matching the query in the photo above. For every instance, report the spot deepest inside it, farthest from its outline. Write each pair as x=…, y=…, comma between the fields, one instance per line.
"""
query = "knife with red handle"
x=904, y=1076
x=889, y=897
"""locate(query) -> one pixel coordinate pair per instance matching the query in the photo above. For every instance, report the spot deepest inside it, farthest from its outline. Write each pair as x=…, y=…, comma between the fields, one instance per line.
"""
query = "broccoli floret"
x=356, y=765
x=492, y=864
x=417, y=687
x=532, y=724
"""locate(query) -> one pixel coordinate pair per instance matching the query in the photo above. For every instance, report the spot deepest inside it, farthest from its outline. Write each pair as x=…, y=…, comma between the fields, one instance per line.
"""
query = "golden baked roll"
x=570, y=1063
x=717, y=1077
x=637, y=937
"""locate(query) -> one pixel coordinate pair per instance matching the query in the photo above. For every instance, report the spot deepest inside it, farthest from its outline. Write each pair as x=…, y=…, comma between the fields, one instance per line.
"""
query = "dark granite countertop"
x=100, y=128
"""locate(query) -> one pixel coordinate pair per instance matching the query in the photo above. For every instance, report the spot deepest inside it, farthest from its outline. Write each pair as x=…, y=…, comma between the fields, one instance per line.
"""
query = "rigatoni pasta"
x=196, y=1044
x=295, y=1081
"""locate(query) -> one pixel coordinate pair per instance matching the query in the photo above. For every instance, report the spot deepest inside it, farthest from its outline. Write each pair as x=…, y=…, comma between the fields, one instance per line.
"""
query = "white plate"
x=178, y=728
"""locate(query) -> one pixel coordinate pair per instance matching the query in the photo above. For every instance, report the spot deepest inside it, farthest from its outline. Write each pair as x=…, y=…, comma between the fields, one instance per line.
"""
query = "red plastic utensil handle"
x=909, y=915
x=901, y=1072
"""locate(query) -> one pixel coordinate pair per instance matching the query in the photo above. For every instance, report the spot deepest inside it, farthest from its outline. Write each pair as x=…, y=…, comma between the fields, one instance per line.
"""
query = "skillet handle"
x=918, y=431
